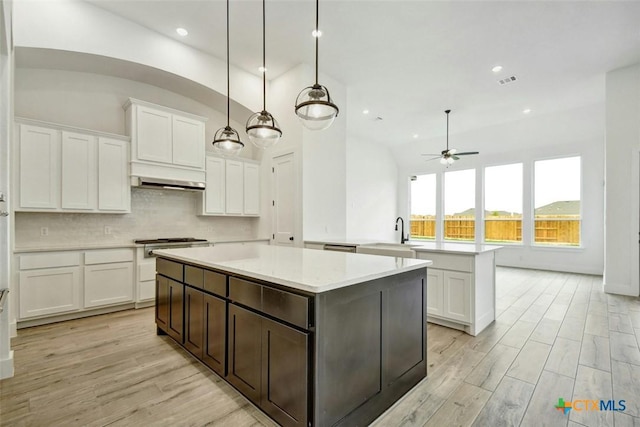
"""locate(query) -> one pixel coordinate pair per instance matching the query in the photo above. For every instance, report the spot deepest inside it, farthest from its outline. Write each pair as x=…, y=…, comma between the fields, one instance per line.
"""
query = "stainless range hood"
x=169, y=184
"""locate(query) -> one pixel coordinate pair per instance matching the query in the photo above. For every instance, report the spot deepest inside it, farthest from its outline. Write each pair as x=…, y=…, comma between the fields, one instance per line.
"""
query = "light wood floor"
x=556, y=335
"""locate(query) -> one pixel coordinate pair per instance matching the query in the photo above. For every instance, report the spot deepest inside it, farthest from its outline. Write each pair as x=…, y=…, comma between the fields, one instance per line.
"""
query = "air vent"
x=507, y=80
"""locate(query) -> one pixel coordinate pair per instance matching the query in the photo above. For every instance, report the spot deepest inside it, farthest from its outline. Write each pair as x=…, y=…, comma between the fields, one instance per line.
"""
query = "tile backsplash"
x=154, y=213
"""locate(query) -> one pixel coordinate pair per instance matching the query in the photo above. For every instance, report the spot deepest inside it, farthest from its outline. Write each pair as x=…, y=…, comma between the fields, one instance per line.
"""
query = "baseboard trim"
x=620, y=289
x=6, y=366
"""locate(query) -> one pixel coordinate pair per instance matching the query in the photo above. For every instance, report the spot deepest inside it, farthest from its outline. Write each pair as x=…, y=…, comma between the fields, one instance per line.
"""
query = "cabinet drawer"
x=169, y=268
x=105, y=257
x=194, y=276
x=448, y=261
x=215, y=283
x=246, y=293
x=48, y=260
x=286, y=306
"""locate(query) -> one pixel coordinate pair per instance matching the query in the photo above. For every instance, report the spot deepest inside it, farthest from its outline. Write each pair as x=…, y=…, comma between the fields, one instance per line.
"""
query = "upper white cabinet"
x=39, y=167
x=65, y=169
x=153, y=140
x=215, y=187
x=165, y=143
x=251, y=189
x=234, y=197
x=79, y=171
x=114, y=193
x=233, y=187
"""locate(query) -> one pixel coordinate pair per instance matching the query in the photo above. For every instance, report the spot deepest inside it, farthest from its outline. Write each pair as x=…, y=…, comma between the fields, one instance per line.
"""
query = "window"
x=460, y=205
x=557, y=202
x=423, y=207
x=503, y=204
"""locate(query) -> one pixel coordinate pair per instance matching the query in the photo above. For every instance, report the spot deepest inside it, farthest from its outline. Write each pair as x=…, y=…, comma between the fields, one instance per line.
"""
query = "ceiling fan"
x=448, y=156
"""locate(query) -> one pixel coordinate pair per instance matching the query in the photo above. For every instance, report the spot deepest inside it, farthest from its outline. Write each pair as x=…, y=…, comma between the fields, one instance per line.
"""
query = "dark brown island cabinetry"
x=334, y=358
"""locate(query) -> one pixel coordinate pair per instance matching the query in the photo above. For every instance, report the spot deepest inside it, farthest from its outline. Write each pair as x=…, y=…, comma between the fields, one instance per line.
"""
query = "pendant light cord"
x=264, y=56
x=317, y=37
x=228, y=90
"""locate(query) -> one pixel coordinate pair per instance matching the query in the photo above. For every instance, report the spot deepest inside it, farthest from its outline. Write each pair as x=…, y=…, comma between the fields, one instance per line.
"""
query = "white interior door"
x=283, y=203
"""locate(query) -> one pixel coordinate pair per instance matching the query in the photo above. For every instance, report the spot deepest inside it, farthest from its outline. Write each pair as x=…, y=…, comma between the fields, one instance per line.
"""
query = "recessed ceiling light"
x=182, y=31
x=262, y=69
x=316, y=33
x=497, y=68
x=365, y=111
x=415, y=135
x=526, y=110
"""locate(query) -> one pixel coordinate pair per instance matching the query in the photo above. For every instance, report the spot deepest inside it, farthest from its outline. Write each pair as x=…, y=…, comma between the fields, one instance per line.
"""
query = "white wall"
x=81, y=27
x=622, y=181
x=579, y=132
x=6, y=120
x=372, y=186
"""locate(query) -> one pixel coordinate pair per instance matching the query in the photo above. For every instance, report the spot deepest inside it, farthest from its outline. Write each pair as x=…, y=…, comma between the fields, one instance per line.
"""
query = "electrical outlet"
x=107, y=229
x=44, y=231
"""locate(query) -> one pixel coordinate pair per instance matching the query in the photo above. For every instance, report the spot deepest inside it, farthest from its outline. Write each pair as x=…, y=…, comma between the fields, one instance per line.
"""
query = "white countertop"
x=304, y=269
x=450, y=247
x=342, y=241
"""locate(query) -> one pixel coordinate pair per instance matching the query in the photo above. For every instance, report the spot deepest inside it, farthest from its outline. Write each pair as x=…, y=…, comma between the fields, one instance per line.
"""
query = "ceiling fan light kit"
x=262, y=127
x=314, y=105
x=227, y=140
x=448, y=156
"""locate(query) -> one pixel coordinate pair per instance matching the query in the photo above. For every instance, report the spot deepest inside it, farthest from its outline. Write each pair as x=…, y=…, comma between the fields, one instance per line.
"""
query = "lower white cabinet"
x=449, y=294
x=49, y=291
x=106, y=284
x=66, y=282
x=460, y=289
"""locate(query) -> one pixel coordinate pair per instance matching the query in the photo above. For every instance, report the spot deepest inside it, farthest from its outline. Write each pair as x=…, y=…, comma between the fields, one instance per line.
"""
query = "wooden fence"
x=550, y=230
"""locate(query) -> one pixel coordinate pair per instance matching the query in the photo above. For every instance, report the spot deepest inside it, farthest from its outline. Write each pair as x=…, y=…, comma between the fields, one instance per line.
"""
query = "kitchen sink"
x=388, y=249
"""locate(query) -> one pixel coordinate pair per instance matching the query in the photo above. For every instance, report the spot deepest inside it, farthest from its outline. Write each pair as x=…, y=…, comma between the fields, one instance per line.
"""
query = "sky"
x=555, y=180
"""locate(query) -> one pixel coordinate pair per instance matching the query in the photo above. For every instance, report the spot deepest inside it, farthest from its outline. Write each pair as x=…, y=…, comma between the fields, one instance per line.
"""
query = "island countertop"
x=303, y=269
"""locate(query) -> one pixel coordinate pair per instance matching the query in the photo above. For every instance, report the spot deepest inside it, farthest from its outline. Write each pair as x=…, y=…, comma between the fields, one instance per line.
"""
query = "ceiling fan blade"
x=467, y=153
x=455, y=157
x=428, y=154
x=433, y=158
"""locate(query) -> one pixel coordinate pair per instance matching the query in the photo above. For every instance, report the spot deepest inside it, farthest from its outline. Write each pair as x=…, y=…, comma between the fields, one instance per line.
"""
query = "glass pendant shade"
x=227, y=141
x=263, y=130
x=315, y=108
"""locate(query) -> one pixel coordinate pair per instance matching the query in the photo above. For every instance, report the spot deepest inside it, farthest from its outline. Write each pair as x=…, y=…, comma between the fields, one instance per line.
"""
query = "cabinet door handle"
x=291, y=238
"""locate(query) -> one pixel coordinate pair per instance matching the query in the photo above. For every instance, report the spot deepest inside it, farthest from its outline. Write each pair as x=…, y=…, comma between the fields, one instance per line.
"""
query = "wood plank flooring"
x=556, y=335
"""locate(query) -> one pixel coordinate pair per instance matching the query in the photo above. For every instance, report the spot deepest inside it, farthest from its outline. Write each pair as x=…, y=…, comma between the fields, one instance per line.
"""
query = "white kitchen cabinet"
x=214, y=194
x=460, y=287
x=153, y=137
x=49, y=291
x=79, y=171
x=234, y=187
x=114, y=192
x=106, y=284
x=251, y=189
x=39, y=168
x=435, y=291
x=457, y=296
x=165, y=143
x=65, y=169
x=188, y=142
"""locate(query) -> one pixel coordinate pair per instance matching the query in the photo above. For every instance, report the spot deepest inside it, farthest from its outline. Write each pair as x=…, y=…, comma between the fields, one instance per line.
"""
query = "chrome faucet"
x=402, y=236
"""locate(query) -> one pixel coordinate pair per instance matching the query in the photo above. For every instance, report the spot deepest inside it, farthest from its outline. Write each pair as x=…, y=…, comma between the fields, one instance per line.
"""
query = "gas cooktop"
x=168, y=240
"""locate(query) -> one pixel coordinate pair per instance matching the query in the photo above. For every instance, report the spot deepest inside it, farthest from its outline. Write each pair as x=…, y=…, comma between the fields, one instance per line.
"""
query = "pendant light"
x=262, y=128
x=314, y=106
x=227, y=140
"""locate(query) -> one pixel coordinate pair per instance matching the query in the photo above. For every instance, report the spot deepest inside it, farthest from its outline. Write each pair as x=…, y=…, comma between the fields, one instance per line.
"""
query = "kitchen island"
x=313, y=338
